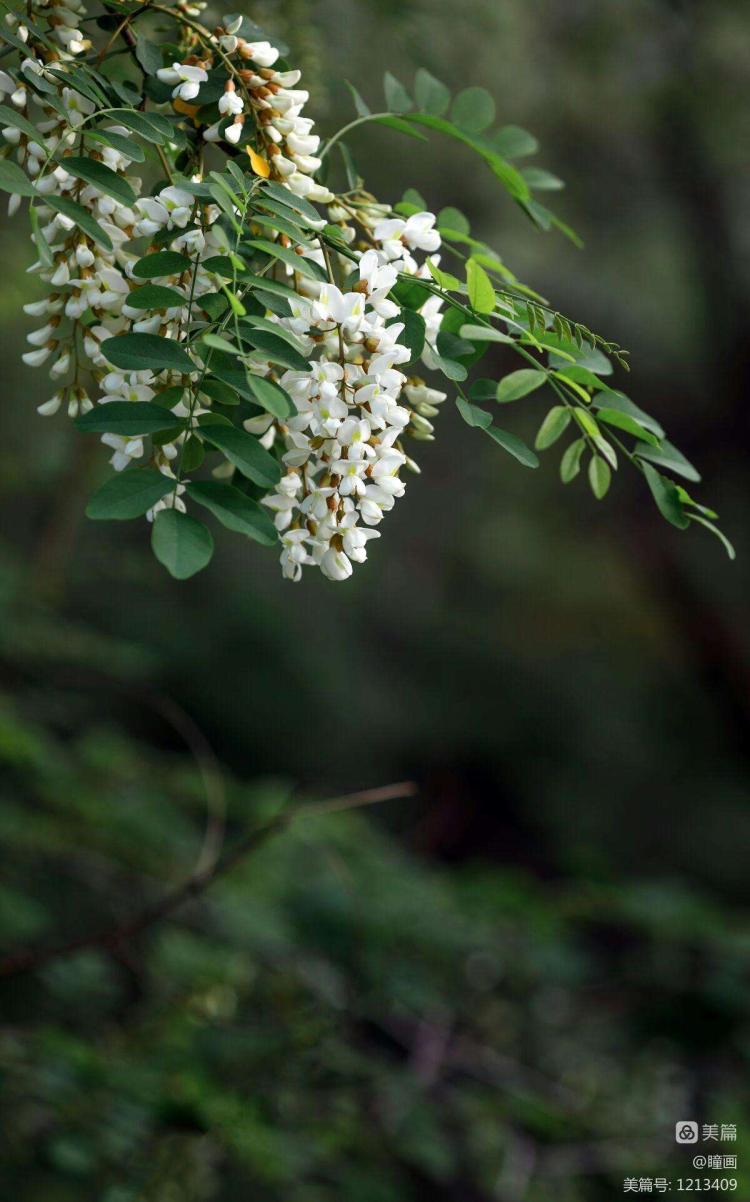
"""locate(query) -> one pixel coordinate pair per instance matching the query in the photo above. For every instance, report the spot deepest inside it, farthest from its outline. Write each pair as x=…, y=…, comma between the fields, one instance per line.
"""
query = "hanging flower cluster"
x=209, y=297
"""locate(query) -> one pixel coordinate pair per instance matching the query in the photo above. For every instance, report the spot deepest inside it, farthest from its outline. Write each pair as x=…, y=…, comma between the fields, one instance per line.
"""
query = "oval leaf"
x=481, y=292
x=103, y=178
x=163, y=262
x=554, y=424
x=473, y=110
x=118, y=142
x=155, y=296
x=234, y=510
x=599, y=476
x=182, y=544
x=128, y=418
x=142, y=352
x=520, y=383
x=245, y=452
x=13, y=179
x=129, y=494
x=514, y=446
x=82, y=218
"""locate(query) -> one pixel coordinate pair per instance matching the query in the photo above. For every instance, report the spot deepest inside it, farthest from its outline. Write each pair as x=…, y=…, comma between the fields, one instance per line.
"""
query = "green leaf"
x=599, y=476
x=402, y=126
x=512, y=179
x=81, y=216
x=287, y=197
x=473, y=110
x=270, y=396
x=514, y=143
x=585, y=356
x=127, y=418
x=103, y=178
x=483, y=334
x=448, y=282
x=453, y=219
x=118, y=142
x=273, y=348
x=607, y=450
x=129, y=494
x=473, y=415
x=42, y=245
x=192, y=455
x=304, y=266
x=155, y=296
x=235, y=510
x=182, y=544
x=483, y=390
x=570, y=464
x=415, y=199
x=667, y=497
x=162, y=263
x=554, y=424
x=520, y=383
x=151, y=126
x=396, y=96
x=216, y=343
x=449, y=368
x=218, y=391
x=9, y=116
x=431, y=95
x=361, y=108
x=668, y=457
x=541, y=180
x=481, y=292
x=146, y=352
x=715, y=530
x=623, y=421
x=245, y=452
x=606, y=398
x=514, y=446
x=413, y=333
x=149, y=55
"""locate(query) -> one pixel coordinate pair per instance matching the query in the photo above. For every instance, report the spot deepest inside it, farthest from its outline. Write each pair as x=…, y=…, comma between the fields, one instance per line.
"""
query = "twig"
x=113, y=938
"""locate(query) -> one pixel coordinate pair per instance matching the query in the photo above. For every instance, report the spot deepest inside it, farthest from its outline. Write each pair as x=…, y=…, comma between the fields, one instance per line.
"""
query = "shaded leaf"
x=183, y=545
x=129, y=494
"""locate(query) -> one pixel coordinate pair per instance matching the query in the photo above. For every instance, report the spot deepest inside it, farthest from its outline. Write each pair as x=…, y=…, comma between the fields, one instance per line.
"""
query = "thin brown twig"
x=113, y=938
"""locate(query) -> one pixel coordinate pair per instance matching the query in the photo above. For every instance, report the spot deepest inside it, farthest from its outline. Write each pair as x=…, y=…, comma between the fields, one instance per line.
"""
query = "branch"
x=113, y=938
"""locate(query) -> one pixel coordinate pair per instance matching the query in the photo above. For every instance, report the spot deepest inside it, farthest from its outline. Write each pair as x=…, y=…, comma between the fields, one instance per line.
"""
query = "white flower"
x=230, y=102
x=77, y=107
x=188, y=79
x=37, y=358
x=50, y=407
x=294, y=554
x=336, y=565
x=125, y=450
x=233, y=132
x=172, y=207
x=261, y=53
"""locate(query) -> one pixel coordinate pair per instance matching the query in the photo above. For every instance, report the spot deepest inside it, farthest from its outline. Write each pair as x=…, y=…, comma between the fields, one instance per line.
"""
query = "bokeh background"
x=515, y=982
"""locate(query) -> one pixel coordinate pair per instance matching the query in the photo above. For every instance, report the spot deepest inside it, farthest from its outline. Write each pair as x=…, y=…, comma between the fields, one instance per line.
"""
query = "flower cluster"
x=276, y=105
x=342, y=449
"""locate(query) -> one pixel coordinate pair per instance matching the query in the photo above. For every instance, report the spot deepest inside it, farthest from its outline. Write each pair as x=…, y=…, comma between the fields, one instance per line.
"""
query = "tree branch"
x=113, y=938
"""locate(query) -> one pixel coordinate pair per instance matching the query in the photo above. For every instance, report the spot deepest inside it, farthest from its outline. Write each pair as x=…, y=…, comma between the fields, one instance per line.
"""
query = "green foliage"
x=334, y=1017
x=183, y=545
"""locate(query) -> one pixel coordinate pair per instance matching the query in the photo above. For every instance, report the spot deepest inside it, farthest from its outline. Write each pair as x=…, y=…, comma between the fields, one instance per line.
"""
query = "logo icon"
x=686, y=1133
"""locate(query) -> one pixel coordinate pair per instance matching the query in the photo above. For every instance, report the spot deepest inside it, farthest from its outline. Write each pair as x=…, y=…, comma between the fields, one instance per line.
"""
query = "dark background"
x=566, y=680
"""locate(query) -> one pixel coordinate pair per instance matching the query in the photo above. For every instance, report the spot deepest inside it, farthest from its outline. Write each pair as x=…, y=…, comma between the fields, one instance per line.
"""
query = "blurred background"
x=518, y=980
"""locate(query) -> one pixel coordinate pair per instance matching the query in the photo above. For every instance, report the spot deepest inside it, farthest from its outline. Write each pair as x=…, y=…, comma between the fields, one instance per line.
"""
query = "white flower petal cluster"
x=276, y=104
x=343, y=449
